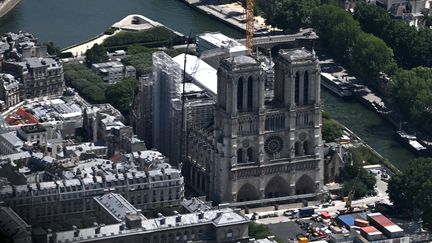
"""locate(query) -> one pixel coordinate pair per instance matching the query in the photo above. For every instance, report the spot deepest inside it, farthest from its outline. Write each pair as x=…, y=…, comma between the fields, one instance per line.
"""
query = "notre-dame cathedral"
x=258, y=148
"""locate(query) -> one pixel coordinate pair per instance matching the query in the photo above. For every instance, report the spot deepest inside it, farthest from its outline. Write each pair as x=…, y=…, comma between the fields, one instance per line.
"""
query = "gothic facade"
x=261, y=149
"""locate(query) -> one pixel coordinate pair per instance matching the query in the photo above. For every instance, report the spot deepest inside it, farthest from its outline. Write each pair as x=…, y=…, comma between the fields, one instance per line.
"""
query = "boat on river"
x=339, y=87
x=413, y=143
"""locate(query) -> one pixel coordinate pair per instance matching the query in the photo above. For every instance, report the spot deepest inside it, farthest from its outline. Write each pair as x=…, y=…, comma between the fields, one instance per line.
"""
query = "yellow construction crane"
x=249, y=25
x=350, y=197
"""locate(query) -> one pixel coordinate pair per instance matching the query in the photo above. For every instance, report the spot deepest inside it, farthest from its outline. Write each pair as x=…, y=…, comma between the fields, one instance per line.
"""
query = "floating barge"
x=339, y=87
x=413, y=143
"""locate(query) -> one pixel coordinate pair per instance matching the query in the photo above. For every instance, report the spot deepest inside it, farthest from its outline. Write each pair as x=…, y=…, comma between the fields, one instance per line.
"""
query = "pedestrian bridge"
x=268, y=42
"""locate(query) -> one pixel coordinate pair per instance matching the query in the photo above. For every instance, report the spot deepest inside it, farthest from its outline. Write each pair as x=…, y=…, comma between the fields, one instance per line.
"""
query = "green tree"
x=402, y=39
x=157, y=36
x=343, y=39
x=260, y=231
x=331, y=130
x=326, y=18
x=373, y=19
x=359, y=188
x=412, y=189
x=411, y=46
x=356, y=178
x=96, y=54
x=362, y=154
x=370, y=56
x=411, y=91
x=292, y=14
x=141, y=61
x=86, y=82
x=121, y=94
x=52, y=49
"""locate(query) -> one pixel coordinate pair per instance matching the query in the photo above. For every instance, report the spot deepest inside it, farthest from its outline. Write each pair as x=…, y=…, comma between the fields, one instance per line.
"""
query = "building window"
x=306, y=89
x=250, y=155
x=240, y=94
x=297, y=88
x=229, y=234
x=297, y=148
x=239, y=156
x=306, y=147
x=250, y=94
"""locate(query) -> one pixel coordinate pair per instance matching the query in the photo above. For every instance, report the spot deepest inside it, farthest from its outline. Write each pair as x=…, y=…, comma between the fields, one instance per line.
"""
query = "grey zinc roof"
x=117, y=206
x=55, y=109
x=35, y=62
x=228, y=218
x=195, y=205
x=224, y=217
x=11, y=223
x=12, y=138
x=16, y=156
x=11, y=85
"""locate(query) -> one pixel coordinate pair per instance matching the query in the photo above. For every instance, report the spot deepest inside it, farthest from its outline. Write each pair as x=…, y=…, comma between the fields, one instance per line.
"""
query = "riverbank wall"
x=7, y=6
x=383, y=161
x=233, y=15
x=125, y=24
x=66, y=49
x=387, y=114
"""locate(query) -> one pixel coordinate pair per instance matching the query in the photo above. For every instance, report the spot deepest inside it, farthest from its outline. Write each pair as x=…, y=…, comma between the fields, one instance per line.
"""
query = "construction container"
x=371, y=233
x=385, y=225
x=303, y=240
x=361, y=223
x=335, y=229
x=325, y=215
x=306, y=212
x=345, y=220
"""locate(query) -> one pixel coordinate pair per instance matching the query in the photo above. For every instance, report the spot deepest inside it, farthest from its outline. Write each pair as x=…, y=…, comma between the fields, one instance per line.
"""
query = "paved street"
x=381, y=197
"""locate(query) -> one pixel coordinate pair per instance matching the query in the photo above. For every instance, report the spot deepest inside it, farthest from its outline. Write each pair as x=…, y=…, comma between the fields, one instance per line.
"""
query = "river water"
x=370, y=127
x=66, y=22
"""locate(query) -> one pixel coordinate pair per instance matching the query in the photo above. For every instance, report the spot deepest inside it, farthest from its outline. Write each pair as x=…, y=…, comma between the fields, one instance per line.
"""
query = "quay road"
x=79, y=50
x=381, y=197
x=231, y=14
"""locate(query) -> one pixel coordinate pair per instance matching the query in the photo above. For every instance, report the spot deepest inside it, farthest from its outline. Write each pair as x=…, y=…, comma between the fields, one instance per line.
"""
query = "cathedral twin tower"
x=265, y=149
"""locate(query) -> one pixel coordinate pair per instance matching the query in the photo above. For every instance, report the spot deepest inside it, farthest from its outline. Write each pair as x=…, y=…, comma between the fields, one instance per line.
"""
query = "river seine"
x=66, y=22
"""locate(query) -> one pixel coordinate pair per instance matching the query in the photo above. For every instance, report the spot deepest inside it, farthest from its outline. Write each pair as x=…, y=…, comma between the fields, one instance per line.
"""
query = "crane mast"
x=249, y=25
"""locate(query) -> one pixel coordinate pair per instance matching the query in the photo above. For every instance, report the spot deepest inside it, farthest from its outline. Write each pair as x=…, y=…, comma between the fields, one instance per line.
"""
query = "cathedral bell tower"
x=271, y=149
x=238, y=123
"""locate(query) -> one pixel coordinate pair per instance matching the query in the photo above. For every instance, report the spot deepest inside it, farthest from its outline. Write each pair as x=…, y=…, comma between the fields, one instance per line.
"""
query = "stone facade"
x=9, y=90
x=258, y=149
x=10, y=143
x=210, y=226
x=38, y=76
x=43, y=202
x=112, y=72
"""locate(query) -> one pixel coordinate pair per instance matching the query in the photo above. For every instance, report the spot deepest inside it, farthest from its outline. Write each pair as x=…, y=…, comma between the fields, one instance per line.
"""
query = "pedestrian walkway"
x=80, y=50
